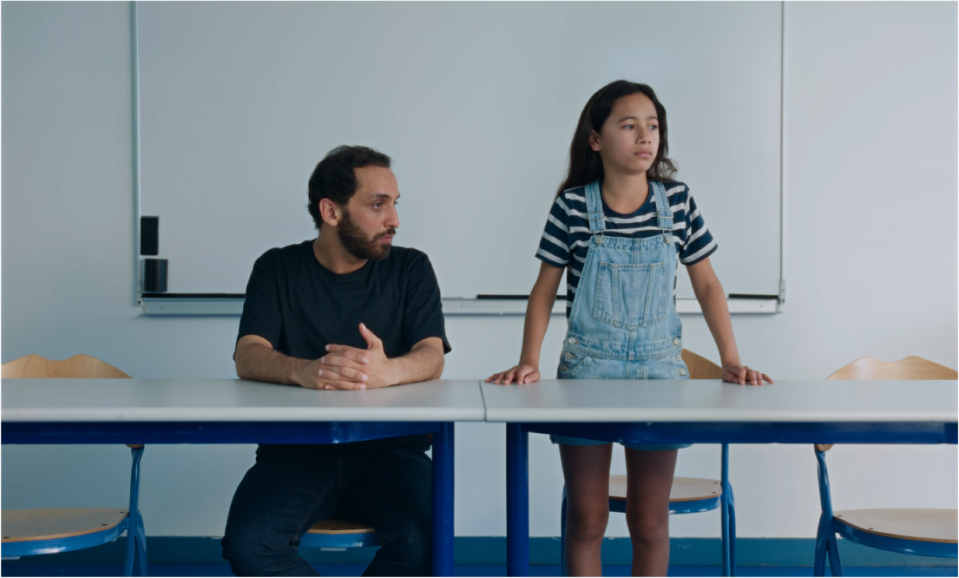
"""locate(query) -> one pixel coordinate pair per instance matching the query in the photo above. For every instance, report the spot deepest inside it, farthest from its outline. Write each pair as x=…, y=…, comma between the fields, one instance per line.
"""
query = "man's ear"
x=330, y=212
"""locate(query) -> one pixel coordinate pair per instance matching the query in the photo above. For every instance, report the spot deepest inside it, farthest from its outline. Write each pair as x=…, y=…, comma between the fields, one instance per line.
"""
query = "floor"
x=21, y=569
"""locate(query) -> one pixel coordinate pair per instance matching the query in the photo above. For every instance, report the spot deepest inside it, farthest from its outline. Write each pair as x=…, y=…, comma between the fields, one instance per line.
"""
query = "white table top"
x=715, y=401
x=131, y=400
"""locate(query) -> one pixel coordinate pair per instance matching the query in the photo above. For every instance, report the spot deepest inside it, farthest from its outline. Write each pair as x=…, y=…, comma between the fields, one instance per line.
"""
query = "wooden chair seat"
x=683, y=490
x=922, y=525
x=335, y=526
x=51, y=523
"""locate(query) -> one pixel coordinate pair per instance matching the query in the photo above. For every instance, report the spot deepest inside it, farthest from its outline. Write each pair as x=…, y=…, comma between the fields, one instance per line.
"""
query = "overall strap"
x=664, y=215
x=594, y=206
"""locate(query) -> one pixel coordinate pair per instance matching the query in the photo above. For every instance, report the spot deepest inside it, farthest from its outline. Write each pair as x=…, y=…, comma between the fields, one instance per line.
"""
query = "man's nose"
x=393, y=220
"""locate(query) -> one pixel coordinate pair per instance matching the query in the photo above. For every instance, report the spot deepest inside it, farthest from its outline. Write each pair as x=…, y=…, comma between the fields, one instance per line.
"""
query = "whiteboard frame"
x=206, y=306
x=200, y=305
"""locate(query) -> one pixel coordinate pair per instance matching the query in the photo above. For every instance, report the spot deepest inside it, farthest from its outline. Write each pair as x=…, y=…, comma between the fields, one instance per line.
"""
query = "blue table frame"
x=756, y=432
x=276, y=432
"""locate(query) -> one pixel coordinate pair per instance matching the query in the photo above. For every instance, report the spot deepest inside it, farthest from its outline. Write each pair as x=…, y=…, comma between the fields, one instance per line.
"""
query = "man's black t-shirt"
x=300, y=307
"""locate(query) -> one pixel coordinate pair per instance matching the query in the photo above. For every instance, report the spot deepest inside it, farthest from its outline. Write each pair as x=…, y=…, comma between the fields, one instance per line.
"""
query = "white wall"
x=871, y=264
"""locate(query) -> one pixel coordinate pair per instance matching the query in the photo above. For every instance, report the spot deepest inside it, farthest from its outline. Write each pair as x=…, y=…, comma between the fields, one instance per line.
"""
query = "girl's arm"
x=712, y=299
x=538, y=310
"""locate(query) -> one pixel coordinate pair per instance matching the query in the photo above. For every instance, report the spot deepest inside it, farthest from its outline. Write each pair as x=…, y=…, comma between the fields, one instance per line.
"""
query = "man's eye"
x=377, y=205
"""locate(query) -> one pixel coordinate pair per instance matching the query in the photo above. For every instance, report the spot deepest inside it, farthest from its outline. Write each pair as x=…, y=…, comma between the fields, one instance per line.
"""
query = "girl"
x=621, y=225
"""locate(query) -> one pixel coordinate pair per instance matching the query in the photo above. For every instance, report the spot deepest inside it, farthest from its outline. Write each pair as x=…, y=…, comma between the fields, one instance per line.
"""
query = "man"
x=344, y=311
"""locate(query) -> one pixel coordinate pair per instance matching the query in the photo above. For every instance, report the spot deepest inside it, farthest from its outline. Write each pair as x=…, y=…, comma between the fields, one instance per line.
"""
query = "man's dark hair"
x=334, y=178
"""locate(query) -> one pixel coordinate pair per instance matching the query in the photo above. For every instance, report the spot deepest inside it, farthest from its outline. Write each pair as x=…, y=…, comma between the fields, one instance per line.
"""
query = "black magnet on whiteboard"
x=149, y=235
x=154, y=275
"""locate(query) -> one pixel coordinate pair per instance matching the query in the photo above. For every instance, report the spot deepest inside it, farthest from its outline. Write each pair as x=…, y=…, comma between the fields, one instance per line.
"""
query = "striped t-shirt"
x=565, y=240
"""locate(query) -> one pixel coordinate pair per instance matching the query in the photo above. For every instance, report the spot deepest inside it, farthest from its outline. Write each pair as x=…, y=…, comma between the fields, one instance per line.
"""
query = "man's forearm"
x=262, y=363
x=421, y=364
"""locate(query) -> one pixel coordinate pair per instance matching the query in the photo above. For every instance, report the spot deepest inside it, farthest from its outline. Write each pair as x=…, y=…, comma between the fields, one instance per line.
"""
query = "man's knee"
x=251, y=552
x=410, y=546
x=240, y=549
x=236, y=552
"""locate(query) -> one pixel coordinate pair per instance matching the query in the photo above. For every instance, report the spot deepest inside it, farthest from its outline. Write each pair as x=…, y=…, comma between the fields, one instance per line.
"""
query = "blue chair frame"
x=827, y=545
x=726, y=502
x=132, y=525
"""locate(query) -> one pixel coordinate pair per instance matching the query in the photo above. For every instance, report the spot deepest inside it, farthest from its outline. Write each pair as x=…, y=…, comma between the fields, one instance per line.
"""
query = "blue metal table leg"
x=517, y=501
x=443, y=500
x=562, y=536
x=724, y=511
x=732, y=532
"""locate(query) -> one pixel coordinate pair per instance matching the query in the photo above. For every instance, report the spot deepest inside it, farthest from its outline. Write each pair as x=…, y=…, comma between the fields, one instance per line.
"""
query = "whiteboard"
x=475, y=102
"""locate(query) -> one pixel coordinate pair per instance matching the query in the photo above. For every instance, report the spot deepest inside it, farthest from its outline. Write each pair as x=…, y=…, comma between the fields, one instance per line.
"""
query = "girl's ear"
x=330, y=212
x=594, y=141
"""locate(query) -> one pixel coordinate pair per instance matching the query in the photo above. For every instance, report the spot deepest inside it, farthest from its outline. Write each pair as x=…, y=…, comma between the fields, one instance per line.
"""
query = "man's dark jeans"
x=292, y=487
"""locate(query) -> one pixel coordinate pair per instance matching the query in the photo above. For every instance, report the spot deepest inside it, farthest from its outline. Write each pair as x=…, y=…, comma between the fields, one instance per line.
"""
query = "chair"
x=51, y=530
x=924, y=532
x=688, y=495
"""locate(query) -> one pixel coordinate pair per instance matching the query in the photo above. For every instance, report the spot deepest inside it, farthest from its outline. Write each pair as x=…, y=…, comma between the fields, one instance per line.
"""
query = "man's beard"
x=358, y=245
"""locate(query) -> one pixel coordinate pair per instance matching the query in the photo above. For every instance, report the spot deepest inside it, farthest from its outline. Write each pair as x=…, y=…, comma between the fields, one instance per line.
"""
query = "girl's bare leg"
x=649, y=480
x=586, y=469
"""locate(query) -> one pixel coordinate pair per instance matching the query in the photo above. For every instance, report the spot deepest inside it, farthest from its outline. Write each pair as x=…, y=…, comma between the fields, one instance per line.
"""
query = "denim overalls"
x=623, y=323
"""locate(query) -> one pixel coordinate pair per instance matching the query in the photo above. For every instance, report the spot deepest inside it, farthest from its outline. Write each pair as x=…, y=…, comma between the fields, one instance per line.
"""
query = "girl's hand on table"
x=744, y=375
x=522, y=374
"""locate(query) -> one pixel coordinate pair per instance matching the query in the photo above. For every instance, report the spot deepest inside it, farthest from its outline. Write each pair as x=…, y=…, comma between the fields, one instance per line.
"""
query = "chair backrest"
x=700, y=367
x=78, y=366
x=909, y=368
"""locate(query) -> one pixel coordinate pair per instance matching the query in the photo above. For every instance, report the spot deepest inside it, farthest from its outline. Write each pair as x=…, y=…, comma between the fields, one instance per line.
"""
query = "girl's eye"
x=653, y=127
x=630, y=126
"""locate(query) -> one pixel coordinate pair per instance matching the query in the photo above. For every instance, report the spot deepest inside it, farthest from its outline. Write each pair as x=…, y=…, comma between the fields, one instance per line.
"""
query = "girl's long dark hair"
x=585, y=164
